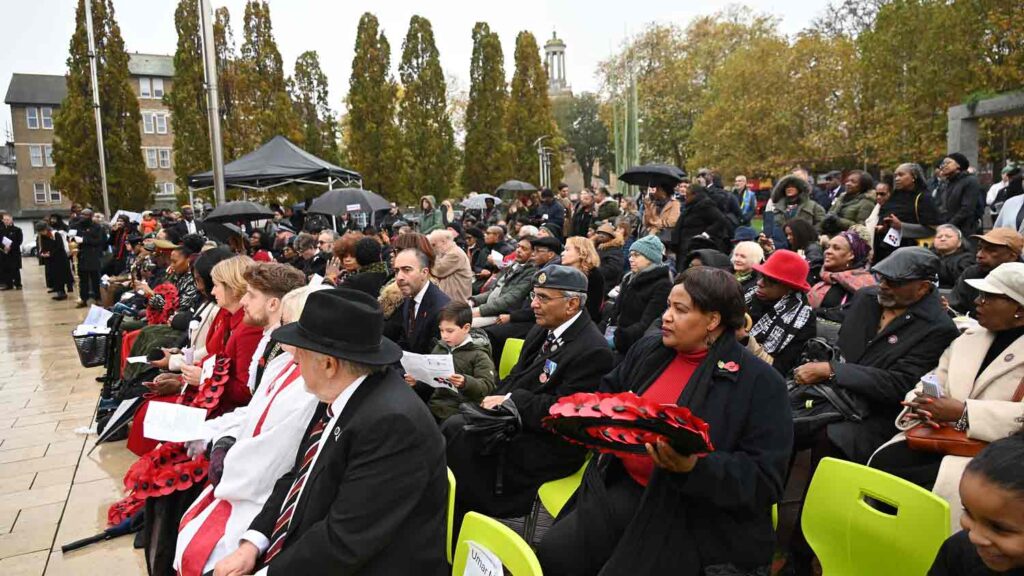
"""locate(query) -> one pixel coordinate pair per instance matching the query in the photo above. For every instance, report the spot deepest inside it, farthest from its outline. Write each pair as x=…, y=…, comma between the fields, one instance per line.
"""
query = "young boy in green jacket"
x=475, y=375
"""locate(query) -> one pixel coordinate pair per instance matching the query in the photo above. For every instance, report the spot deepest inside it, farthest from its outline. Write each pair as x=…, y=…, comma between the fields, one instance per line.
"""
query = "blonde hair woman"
x=581, y=254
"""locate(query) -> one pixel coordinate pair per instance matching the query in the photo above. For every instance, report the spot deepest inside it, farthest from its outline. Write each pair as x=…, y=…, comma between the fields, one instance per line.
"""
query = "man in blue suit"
x=414, y=325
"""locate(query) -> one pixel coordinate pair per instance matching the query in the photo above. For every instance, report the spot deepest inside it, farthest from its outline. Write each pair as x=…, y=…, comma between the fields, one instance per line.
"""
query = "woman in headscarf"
x=843, y=272
x=783, y=321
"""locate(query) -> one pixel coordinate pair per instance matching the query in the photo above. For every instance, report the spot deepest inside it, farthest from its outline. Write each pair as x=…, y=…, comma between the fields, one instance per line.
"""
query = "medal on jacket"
x=548, y=371
x=893, y=339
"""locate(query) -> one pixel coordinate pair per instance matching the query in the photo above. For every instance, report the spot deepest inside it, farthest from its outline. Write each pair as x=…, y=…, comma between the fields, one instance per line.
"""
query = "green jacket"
x=515, y=285
x=472, y=360
x=433, y=220
x=805, y=208
x=850, y=210
x=607, y=212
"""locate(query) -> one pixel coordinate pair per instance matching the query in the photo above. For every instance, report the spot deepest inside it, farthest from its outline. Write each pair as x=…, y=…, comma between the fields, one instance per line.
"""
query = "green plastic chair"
x=451, y=514
x=514, y=553
x=852, y=537
x=509, y=356
x=553, y=495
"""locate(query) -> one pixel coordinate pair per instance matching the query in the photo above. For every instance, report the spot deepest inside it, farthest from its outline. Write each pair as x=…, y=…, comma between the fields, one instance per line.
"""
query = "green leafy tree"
x=74, y=149
x=486, y=147
x=585, y=133
x=187, y=98
x=428, y=141
x=529, y=113
x=227, y=80
x=370, y=135
x=312, y=104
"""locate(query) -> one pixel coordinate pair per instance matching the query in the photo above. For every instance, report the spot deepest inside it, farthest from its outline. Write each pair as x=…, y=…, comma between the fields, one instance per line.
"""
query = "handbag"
x=948, y=440
x=818, y=405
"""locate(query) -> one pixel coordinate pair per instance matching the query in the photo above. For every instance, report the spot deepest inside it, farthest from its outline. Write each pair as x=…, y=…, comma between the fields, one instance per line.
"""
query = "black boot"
x=60, y=296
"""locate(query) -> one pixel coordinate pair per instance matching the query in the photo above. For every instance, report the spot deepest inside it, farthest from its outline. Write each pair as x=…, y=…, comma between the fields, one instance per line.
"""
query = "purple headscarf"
x=860, y=248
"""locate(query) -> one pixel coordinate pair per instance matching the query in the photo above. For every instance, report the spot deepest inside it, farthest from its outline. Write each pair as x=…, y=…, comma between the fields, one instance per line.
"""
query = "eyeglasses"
x=544, y=298
x=984, y=297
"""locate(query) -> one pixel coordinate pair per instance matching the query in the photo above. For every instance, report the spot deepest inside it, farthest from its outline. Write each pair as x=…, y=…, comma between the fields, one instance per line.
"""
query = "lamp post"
x=212, y=99
x=539, y=143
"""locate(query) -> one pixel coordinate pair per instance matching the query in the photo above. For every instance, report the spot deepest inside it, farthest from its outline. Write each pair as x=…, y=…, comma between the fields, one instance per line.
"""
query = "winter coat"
x=881, y=367
x=642, y=299
x=988, y=397
x=581, y=219
x=432, y=220
x=804, y=209
x=612, y=259
x=90, y=249
x=951, y=266
x=961, y=298
x=369, y=279
x=11, y=260
x=747, y=200
x=553, y=213
x=515, y=282
x=453, y=273
x=849, y=209
x=720, y=512
x=918, y=215
x=700, y=216
x=961, y=202
x=658, y=218
x=58, y=259
x=607, y=211
x=472, y=360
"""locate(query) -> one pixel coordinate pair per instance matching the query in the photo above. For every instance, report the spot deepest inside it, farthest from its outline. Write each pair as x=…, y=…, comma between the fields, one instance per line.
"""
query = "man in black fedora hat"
x=368, y=491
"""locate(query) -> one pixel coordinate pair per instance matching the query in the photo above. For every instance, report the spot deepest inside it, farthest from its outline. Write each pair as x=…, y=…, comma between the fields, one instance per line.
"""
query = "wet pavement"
x=51, y=492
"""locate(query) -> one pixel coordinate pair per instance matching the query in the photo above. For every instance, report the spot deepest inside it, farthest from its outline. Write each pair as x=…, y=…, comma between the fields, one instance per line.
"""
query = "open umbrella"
x=478, y=202
x=337, y=202
x=516, y=186
x=239, y=210
x=221, y=232
x=653, y=175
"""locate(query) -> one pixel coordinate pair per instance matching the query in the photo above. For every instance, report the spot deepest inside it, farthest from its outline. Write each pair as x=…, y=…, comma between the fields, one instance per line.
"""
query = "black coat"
x=698, y=217
x=375, y=501
x=424, y=333
x=535, y=455
x=11, y=260
x=90, y=250
x=951, y=266
x=642, y=299
x=961, y=298
x=57, y=262
x=961, y=202
x=881, y=367
x=582, y=217
x=369, y=282
x=720, y=512
x=612, y=262
x=916, y=210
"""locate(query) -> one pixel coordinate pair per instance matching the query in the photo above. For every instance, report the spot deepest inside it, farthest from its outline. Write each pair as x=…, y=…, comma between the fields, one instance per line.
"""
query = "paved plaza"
x=51, y=493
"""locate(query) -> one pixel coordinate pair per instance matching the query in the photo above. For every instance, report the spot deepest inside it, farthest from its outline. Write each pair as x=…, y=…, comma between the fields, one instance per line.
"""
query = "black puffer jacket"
x=642, y=299
x=700, y=216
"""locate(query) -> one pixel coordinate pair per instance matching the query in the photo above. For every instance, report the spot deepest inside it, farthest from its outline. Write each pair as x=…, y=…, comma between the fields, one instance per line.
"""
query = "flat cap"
x=546, y=242
x=909, y=263
x=561, y=278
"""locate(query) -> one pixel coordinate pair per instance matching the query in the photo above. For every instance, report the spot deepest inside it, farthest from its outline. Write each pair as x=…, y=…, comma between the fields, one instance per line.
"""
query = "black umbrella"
x=516, y=186
x=338, y=202
x=239, y=210
x=664, y=175
x=221, y=232
x=118, y=420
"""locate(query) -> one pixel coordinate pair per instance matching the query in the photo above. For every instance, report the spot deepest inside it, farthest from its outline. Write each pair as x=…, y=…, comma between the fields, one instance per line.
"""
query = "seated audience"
x=479, y=257
x=451, y=266
x=609, y=244
x=708, y=257
x=998, y=246
x=980, y=373
x=343, y=261
x=668, y=513
x=643, y=296
x=954, y=257
x=783, y=321
x=744, y=256
x=580, y=253
x=413, y=326
x=803, y=239
x=331, y=514
x=563, y=354
x=509, y=289
x=257, y=247
x=370, y=272
x=843, y=272
x=853, y=205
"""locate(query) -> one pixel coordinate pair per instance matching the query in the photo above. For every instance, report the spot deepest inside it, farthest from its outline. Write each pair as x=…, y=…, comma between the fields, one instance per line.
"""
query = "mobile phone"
x=931, y=386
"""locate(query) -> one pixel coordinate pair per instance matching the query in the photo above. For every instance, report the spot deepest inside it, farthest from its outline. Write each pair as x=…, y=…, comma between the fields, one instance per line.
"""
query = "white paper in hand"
x=208, y=366
x=167, y=422
x=431, y=369
x=138, y=360
x=893, y=237
x=7, y=242
x=497, y=259
x=482, y=562
x=315, y=280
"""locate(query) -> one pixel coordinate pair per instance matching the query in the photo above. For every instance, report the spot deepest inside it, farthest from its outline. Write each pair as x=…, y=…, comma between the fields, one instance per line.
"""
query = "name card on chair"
x=482, y=562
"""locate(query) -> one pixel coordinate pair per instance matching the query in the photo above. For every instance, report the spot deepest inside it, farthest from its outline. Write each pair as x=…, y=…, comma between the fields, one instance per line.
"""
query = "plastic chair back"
x=514, y=552
x=448, y=545
x=553, y=495
x=851, y=535
x=509, y=356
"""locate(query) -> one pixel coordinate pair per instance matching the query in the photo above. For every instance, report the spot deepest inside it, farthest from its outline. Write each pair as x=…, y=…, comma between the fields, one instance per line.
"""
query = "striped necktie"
x=288, y=508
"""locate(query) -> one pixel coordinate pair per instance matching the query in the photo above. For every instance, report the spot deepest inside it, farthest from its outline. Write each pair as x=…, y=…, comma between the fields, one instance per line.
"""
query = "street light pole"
x=96, y=107
x=539, y=143
x=212, y=99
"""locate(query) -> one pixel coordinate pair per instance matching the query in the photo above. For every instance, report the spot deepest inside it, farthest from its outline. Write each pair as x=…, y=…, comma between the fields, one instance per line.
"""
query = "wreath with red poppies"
x=624, y=423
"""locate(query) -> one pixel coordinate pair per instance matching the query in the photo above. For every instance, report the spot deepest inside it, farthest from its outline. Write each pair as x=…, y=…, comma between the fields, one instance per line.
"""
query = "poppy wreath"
x=211, y=389
x=170, y=294
x=623, y=423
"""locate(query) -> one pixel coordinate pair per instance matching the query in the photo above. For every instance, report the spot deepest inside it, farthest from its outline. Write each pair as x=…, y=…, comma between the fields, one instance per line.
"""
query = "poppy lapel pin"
x=729, y=366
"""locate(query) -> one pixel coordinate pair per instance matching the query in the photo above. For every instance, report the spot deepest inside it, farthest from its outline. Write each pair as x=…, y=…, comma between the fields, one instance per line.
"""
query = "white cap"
x=1006, y=279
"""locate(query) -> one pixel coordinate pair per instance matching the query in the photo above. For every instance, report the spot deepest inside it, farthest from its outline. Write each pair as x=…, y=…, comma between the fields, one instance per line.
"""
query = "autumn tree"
x=187, y=98
x=75, y=152
x=428, y=142
x=486, y=147
x=585, y=133
x=227, y=81
x=308, y=87
x=529, y=112
x=371, y=136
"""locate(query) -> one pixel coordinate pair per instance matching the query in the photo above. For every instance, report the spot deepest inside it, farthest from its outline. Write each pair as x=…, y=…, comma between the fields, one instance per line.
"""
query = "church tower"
x=554, y=60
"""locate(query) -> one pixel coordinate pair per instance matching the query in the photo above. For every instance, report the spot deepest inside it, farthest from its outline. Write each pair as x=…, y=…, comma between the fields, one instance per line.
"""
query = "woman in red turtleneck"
x=689, y=515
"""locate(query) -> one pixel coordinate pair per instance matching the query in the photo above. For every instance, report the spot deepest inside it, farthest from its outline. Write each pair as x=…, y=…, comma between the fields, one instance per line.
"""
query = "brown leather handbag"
x=948, y=440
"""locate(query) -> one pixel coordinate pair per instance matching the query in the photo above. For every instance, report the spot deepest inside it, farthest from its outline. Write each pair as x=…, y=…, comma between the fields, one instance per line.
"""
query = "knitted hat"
x=960, y=160
x=649, y=247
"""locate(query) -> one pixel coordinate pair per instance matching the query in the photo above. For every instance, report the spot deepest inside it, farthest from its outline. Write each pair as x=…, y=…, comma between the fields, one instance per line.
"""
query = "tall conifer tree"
x=486, y=148
x=187, y=98
x=529, y=112
x=312, y=104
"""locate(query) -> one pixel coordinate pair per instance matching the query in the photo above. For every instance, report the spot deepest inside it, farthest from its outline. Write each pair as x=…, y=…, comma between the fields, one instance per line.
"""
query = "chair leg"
x=530, y=523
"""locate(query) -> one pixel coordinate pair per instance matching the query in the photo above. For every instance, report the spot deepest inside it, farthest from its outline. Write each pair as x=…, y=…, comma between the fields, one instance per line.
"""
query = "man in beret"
x=961, y=197
x=564, y=353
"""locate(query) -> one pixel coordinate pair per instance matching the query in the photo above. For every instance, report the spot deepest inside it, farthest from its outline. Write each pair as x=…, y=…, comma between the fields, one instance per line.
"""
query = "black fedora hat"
x=342, y=323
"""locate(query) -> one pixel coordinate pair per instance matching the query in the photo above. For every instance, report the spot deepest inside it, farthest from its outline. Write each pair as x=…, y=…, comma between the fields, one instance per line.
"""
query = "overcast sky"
x=35, y=33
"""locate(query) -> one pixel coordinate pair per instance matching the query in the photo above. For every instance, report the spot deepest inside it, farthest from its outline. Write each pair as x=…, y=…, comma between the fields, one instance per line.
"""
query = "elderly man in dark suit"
x=563, y=354
x=414, y=325
x=368, y=492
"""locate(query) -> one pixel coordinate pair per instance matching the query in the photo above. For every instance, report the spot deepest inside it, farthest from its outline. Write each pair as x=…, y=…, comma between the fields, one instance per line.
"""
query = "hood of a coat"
x=478, y=340
x=428, y=198
x=779, y=192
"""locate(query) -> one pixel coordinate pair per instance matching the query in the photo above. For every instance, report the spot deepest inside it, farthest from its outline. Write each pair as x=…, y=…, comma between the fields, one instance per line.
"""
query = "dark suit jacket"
x=375, y=501
x=425, y=332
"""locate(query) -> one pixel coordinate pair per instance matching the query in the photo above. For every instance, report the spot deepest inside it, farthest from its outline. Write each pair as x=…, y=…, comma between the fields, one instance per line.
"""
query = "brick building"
x=34, y=98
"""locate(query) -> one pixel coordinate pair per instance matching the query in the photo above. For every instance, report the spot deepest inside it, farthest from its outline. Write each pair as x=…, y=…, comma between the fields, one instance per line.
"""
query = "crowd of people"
x=322, y=455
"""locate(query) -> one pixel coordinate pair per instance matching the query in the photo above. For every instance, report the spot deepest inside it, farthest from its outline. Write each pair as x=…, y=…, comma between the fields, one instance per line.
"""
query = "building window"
x=147, y=122
x=145, y=88
x=165, y=157
x=151, y=157
x=54, y=195
x=161, y=123
x=35, y=154
x=165, y=189
x=47, y=117
x=48, y=155
x=158, y=87
x=39, y=192
x=32, y=118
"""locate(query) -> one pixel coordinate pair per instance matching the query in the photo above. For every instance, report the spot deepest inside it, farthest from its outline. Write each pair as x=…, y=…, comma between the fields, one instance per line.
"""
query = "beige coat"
x=991, y=412
x=655, y=221
x=454, y=274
